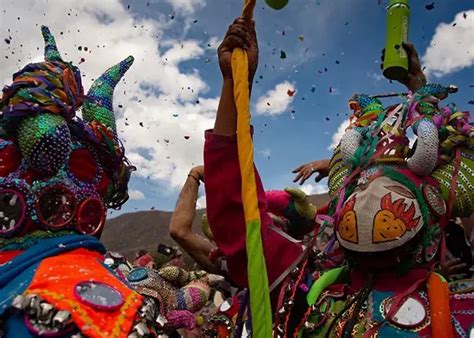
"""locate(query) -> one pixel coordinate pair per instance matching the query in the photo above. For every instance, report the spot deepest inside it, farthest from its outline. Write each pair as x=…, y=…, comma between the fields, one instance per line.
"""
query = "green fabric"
x=93, y=112
x=258, y=279
x=335, y=308
x=34, y=127
x=327, y=278
x=363, y=154
x=464, y=201
x=338, y=171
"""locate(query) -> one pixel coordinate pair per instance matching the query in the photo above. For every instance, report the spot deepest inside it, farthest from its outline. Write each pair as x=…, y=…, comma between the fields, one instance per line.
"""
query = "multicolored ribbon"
x=256, y=268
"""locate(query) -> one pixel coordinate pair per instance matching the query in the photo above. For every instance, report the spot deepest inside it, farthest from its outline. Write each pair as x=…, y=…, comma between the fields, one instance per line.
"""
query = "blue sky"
x=329, y=44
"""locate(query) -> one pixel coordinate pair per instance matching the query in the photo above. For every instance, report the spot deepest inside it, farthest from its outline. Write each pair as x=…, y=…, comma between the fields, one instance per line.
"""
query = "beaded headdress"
x=58, y=171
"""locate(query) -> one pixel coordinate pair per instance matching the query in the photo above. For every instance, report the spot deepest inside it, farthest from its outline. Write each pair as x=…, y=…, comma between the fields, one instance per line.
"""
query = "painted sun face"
x=387, y=227
x=348, y=226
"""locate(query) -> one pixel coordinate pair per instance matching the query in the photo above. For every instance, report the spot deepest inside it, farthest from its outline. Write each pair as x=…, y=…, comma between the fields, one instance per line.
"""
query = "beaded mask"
x=58, y=171
x=386, y=192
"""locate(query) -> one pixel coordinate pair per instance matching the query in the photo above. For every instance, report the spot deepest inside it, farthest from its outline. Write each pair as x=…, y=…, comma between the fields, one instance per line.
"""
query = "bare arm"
x=181, y=223
x=226, y=119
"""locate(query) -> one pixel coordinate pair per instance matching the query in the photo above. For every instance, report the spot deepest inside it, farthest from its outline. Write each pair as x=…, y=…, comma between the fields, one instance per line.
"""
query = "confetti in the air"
x=430, y=6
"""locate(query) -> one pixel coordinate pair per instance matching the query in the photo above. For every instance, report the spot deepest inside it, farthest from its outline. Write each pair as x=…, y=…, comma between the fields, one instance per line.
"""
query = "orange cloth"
x=55, y=281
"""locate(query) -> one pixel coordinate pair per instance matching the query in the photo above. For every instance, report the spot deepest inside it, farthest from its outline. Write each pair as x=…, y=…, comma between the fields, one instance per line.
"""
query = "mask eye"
x=56, y=206
x=10, y=158
x=91, y=216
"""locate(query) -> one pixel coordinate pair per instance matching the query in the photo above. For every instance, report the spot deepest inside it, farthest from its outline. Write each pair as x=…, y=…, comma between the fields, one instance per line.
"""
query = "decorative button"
x=434, y=199
x=99, y=295
x=137, y=274
x=411, y=314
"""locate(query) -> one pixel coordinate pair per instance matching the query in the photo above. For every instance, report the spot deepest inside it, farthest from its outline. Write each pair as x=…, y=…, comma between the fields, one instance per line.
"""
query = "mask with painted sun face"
x=382, y=216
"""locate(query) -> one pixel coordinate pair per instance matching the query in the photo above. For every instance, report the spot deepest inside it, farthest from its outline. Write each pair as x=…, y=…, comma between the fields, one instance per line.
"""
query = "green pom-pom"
x=277, y=4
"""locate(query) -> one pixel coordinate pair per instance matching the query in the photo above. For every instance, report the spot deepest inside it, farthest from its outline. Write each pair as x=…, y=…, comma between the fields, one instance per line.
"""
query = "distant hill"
x=134, y=231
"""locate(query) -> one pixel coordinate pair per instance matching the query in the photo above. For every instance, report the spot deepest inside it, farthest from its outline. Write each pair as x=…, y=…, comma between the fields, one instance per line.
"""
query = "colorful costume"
x=58, y=175
x=390, y=203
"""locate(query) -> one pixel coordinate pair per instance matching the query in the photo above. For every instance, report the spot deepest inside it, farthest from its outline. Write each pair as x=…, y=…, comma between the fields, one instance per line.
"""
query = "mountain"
x=135, y=231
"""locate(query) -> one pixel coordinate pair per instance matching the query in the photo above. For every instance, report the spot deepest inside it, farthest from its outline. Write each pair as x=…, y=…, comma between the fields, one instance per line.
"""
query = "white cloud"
x=201, y=202
x=213, y=42
x=187, y=7
x=266, y=152
x=336, y=137
x=136, y=194
x=169, y=102
x=451, y=48
x=375, y=76
x=275, y=101
x=314, y=189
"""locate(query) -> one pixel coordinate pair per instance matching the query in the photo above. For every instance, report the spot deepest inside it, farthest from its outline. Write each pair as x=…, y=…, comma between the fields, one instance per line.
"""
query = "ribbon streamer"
x=256, y=267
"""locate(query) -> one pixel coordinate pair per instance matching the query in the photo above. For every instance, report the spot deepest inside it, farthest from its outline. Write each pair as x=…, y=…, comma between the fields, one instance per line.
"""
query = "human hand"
x=452, y=267
x=306, y=170
x=198, y=172
x=240, y=34
x=415, y=78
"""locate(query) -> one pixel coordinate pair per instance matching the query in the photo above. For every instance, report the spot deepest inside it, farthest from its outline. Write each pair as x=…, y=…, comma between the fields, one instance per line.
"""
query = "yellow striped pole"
x=256, y=268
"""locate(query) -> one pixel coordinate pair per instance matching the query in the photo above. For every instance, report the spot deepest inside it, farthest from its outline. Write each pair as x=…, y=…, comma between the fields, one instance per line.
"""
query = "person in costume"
x=389, y=207
x=290, y=210
x=58, y=175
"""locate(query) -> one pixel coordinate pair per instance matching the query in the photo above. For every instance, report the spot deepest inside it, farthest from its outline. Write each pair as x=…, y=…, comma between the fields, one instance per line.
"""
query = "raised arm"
x=181, y=223
x=223, y=179
x=415, y=77
x=241, y=34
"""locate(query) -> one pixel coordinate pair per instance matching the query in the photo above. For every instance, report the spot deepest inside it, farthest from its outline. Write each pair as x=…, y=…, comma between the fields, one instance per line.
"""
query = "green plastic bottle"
x=395, y=65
